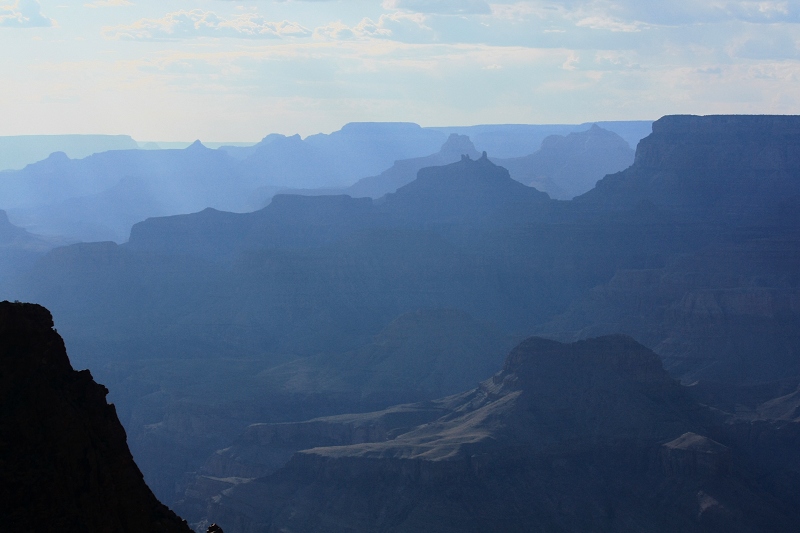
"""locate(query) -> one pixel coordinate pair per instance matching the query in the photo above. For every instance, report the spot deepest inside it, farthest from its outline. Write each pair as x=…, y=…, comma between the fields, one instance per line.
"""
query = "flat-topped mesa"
x=689, y=142
x=535, y=361
x=733, y=169
x=63, y=452
x=727, y=124
x=612, y=387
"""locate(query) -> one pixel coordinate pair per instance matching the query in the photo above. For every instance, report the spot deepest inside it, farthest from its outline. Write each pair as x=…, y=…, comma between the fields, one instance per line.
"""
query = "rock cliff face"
x=65, y=462
x=731, y=168
x=590, y=436
x=727, y=313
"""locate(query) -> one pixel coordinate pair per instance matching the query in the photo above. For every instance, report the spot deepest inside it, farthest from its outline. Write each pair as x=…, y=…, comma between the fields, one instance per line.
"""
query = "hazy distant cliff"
x=64, y=461
x=566, y=166
x=20, y=150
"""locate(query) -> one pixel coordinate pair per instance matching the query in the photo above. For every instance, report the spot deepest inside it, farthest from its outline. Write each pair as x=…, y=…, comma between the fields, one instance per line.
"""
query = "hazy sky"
x=231, y=70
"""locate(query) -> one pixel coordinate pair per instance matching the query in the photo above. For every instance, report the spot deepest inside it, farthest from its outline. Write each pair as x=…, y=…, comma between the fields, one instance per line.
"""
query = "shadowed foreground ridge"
x=63, y=455
x=588, y=436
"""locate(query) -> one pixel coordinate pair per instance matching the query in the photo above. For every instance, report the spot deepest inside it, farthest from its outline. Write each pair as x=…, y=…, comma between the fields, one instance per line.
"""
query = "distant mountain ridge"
x=563, y=166
x=101, y=195
x=473, y=191
x=18, y=151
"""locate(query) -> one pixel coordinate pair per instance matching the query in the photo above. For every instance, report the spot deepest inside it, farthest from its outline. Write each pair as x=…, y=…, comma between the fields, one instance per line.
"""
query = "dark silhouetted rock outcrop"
x=64, y=460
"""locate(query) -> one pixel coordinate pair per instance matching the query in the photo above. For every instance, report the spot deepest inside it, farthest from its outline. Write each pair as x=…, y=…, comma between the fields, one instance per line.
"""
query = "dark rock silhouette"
x=65, y=463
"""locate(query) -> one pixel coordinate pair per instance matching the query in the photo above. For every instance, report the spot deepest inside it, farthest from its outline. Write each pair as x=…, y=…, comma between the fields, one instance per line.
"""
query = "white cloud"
x=24, y=14
x=764, y=11
x=440, y=7
x=636, y=12
x=108, y=3
x=404, y=27
x=198, y=23
x=775, y=45
x=600, y=22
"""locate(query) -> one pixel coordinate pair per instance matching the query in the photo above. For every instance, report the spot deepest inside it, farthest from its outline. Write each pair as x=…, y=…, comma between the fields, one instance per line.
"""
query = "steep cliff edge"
x=63, y=453
x=733, y=168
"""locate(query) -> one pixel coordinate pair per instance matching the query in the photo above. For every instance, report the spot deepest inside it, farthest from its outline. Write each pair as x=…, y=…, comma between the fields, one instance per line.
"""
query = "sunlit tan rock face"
x=63, y=456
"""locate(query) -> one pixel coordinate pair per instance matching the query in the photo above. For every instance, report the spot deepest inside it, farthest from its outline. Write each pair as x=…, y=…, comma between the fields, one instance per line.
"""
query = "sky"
x=221, y=70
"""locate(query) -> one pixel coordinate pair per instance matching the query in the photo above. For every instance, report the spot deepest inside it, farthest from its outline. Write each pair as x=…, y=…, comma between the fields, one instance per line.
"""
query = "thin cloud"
x=403, y=27
x=440, y=7
x=24, y=14
x=108, y=3
x=198, y=23
x=625, y=14
x=598, y=22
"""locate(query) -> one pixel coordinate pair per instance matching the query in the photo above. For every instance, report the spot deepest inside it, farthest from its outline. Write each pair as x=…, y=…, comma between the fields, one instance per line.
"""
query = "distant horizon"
x=251, y=142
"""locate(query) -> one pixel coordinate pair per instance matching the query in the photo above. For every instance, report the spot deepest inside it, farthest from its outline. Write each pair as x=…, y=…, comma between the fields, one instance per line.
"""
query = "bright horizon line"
x=328, y=132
